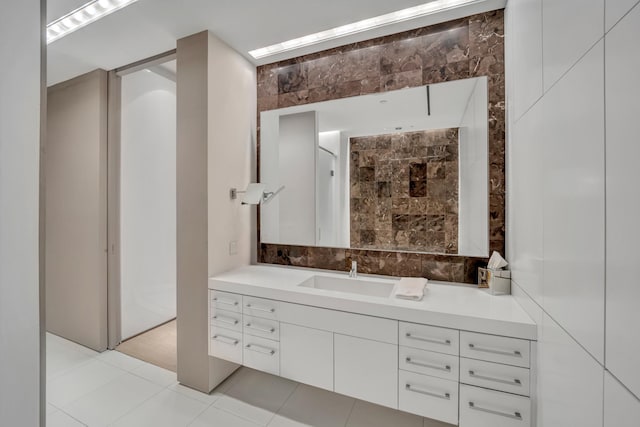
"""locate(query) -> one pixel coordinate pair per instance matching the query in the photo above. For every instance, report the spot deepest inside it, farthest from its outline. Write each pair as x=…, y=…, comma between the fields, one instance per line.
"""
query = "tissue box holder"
x=498, y=281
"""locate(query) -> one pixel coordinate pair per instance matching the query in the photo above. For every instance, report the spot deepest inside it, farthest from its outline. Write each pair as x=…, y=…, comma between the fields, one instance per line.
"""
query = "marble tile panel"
x=292, y=78
x=290, y=99
x=401, y=80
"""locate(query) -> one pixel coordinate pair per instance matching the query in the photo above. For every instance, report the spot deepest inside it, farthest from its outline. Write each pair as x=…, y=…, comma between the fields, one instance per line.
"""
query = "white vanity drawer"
x=428, y=363
x=226, y=301
x=480, y=407
x=430, y=338
x=260, y=307
x=226, y=319
x=226, y=344
x=259, y=327
x=511, y=379
x=428, y=396
x=492, y=348
x=261, y=354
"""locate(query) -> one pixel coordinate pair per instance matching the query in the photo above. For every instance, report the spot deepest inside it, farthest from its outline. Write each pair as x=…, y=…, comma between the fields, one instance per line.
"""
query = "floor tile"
x=280, y=421
x=77, y=382
x=119, y=360
x=63, y=355
x=242, y=409
x=57, y=342
x=316, y=407
x=366, y=414
x=256, y=396
x=60, y=419
x=232, y=379
x=217, y=417
x=155, y=374
x=195, y=394
x=113, y=400
x=166, y=409
x=428, y=422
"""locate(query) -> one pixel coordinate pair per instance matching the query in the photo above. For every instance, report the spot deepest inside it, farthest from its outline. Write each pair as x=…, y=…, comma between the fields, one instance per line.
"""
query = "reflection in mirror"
x=404, y=170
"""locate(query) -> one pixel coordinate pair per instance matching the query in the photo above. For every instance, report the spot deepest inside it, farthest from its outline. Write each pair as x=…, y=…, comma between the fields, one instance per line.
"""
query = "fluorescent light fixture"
x=83, y=16
x=357, y=27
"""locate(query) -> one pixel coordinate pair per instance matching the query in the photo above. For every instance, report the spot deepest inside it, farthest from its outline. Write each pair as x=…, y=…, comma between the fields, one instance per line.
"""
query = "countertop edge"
x=405, y=314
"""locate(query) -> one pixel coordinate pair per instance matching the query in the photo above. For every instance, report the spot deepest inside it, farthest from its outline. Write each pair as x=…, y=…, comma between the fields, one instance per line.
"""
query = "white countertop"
x=445, y=304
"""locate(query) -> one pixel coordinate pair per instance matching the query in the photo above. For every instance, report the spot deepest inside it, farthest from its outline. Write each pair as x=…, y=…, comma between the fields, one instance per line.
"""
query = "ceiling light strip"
x=357, y=27
x=83, y=16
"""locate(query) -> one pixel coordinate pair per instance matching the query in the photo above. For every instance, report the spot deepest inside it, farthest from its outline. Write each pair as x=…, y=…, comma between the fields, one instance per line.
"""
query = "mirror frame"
x=468, y=47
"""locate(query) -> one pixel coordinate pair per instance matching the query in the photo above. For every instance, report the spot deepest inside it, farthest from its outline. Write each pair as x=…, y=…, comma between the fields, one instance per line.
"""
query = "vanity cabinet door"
x=306, y=355
x=480, y=407
x=366, y=370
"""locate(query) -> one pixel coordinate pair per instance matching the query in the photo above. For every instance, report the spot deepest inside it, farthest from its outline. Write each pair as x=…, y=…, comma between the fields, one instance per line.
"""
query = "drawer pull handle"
x=259, y=349
x=258, y=308
x=426, y=339
x=226, y=340
x=496, y=350
x=499, y=380
x=259, y=328
x=225, y=301
x=226, y=320
x=516, y=415
x=445, y=396
x=446, y=368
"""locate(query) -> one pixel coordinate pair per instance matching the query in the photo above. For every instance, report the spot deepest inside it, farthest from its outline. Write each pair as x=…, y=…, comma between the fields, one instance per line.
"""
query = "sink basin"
x=366, y=287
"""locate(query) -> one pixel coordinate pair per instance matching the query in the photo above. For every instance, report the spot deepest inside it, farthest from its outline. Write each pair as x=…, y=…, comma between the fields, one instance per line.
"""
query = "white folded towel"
x=411, y=288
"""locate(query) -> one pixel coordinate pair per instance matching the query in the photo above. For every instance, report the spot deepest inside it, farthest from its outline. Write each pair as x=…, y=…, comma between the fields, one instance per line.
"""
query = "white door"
x=326, y=203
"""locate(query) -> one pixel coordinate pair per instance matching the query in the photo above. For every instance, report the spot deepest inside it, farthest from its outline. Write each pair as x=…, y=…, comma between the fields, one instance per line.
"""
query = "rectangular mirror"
x=404, y=170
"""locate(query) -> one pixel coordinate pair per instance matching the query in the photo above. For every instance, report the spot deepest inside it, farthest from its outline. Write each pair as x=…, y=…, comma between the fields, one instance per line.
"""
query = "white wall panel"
x=621, y=408
x=525, y=45
x=569, y=29
x=573, y=217
x=525, y=172
x=623, y=200
x=22, y=383
x=615, y=9
x=570, y=390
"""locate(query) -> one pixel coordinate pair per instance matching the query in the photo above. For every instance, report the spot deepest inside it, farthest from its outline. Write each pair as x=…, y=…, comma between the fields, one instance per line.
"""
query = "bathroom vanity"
x=460, y=355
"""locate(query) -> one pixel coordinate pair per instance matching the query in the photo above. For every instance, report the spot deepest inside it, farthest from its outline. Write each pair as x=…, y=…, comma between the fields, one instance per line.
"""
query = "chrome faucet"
x=354, y=270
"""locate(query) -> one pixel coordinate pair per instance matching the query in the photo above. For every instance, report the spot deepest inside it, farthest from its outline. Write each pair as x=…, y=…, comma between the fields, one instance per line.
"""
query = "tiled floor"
x=85, y=388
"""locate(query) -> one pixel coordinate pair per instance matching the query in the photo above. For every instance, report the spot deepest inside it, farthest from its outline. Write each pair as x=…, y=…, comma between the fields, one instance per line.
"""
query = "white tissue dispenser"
x=497, y=280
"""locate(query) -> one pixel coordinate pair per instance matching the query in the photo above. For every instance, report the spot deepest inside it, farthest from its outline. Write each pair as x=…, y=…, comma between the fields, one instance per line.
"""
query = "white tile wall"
x=569, y=29
x=621, y=408
x=615, y=9
x=623, y=199
x=526, y=202
x=526, y=40
x=570, y=389
x=562, y=284
x=573, y=187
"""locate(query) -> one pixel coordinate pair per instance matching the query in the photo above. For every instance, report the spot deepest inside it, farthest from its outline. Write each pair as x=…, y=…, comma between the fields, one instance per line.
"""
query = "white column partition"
x=21, y=102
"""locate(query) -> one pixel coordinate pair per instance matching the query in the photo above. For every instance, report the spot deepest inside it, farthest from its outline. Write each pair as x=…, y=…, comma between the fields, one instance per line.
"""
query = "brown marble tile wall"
x=467, y=47
x=404, y=191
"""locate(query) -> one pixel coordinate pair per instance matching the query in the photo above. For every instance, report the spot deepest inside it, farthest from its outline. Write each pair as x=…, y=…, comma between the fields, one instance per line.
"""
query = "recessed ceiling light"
x=84, y=15
x=357, y=27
